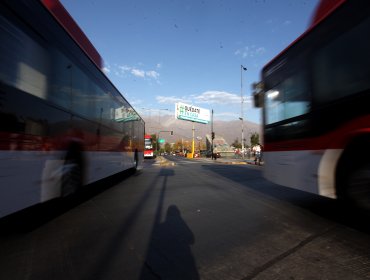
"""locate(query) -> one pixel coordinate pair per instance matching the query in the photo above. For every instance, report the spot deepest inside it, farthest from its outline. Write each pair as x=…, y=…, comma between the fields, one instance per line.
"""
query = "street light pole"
x=212, y=135
x=242, y=101
x=159, y=116
x=192, y=144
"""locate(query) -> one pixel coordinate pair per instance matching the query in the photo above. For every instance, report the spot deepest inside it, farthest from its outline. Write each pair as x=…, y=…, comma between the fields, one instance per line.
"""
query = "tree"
x=167, y=147
x=255, y=139
x=201, y=145
x=178, y=145
x=187, y=145
x=236, y=144
x=154, y=140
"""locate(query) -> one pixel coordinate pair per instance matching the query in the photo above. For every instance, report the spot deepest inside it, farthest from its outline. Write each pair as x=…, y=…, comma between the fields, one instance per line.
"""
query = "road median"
x=160, y=160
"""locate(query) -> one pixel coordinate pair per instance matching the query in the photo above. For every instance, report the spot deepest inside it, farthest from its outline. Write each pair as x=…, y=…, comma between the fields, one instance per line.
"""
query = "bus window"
x=60, y=89
x=83, y=94
x=10, y=38
x=24, y=63
x=331, y=65
x=288, y=99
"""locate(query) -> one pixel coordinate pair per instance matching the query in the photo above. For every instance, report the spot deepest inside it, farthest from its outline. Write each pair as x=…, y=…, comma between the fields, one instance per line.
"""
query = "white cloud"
x=159, y=65
x=106, y=69
x=152, y=74
x=120, y=70
x=227, y=115
x=136, y=102
x=172, y=99
x=217, y=97
x=250, y=51
x=208, y=97
x=138, y=73
x=124, y=70
x=260, y=50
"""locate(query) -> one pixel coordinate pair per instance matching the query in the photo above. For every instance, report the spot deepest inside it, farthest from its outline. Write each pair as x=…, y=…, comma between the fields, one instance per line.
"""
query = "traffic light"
x=213, y=135
x=171, y=132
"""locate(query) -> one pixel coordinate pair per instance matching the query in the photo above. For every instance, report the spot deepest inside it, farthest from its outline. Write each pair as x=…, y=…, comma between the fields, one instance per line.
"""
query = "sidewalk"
x=230, y=160
x=160, y=160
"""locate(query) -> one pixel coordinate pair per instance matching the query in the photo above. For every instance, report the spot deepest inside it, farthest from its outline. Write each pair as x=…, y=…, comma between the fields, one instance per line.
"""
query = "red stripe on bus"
x=27, y=142
x=337, y=139
x=323, y=9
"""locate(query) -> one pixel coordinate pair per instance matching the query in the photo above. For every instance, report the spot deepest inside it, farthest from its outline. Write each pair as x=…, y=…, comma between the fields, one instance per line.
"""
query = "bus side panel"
x=28, y=178
x=105, y=164
x=294, y=169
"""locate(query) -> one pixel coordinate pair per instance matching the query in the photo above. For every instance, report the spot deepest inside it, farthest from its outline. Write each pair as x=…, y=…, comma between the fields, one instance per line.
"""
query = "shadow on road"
x=169, y=254
x=332, y=209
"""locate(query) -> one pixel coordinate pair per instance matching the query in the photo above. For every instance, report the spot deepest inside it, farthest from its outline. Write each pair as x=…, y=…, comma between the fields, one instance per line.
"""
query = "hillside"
x=229, y=130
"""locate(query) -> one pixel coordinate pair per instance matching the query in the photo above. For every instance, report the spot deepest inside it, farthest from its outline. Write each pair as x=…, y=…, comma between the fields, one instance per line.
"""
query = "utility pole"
x=212, y=135
x=242, y=101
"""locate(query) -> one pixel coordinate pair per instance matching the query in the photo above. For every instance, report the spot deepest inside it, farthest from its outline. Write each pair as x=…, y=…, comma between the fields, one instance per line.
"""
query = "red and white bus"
x=316, y=115
x=63, y=124
x=148, y=146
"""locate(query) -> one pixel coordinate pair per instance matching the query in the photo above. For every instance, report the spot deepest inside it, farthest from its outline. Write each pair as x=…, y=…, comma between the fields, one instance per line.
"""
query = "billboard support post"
x=192, y=144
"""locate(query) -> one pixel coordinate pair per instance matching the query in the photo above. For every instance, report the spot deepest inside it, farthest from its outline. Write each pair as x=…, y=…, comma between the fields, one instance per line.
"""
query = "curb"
x=233, y=162
x=237, y=162
x=161, y=161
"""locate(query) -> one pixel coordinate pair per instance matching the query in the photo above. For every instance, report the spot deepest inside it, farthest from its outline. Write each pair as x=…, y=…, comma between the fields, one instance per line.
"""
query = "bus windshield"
x=287, y=99
x=148, y=144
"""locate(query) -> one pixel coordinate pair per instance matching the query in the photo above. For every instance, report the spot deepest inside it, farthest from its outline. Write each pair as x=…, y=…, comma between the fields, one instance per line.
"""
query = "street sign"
x=161, y=141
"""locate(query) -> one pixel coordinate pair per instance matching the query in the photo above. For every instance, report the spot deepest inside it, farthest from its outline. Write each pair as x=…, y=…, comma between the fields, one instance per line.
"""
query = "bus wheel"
x=358, y=187
x=72, y=174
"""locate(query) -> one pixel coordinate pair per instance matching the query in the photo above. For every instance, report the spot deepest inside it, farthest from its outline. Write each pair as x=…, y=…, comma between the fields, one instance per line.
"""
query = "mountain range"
x=229, y=130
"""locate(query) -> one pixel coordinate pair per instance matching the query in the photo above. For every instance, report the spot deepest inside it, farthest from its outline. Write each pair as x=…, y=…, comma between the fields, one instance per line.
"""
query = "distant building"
x=219, y=146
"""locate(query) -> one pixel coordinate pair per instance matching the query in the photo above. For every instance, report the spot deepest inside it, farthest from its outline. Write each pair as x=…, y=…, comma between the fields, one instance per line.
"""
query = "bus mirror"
x=258, y=100
x=258, y=94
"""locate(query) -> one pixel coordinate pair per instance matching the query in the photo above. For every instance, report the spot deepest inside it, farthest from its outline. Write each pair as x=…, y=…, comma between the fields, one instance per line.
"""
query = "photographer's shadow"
x=169, y=253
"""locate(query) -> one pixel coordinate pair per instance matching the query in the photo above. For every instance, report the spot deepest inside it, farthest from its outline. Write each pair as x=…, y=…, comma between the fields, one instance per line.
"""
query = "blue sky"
x=166, y=51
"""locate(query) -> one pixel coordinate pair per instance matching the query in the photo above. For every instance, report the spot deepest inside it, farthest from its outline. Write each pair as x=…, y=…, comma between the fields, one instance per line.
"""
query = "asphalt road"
x=193, y=219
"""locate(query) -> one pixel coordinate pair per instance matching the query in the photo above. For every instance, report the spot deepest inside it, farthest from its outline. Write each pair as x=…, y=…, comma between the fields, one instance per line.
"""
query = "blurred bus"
x=148, y=146
x=63, y=124
x=315, y=97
